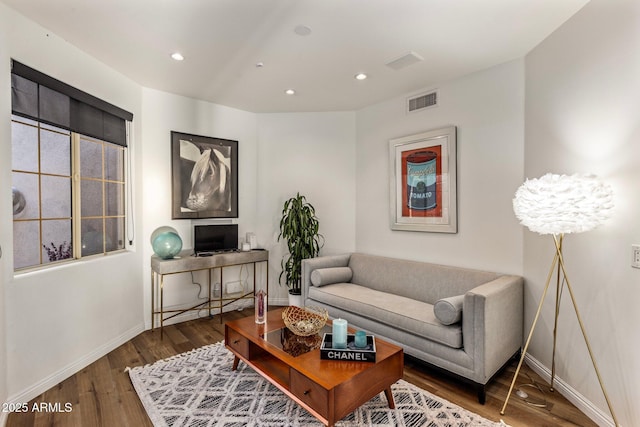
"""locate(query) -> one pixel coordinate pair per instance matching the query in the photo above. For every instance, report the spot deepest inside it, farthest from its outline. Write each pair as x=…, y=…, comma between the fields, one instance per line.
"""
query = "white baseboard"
x=278, y=302
x=71, y=369
x=577, y=399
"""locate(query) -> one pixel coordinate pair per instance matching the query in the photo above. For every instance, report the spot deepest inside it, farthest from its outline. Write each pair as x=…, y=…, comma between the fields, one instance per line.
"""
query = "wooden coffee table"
x=328, y=389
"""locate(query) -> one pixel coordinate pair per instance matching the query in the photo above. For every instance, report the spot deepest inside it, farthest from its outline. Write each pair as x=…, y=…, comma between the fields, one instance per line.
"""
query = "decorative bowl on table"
x=304, y=321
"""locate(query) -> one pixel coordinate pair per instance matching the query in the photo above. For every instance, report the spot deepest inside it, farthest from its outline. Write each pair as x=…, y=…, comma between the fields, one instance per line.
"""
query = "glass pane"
x=90, y=159
x=114, y=163
x=55, y=153
x=114, y=199
x=56, y=197
x=115, y=234
x=56, y=240
x=26, y=244
x=24, y=147
x=26, y=197
x=92, y=236
x=91, y=198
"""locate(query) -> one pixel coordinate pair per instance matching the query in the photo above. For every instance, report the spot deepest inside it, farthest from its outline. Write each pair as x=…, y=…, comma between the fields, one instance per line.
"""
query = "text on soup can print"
x=421, y=180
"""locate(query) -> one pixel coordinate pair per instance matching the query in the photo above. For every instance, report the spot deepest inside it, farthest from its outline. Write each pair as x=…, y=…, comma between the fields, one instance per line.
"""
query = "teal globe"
x=167, y=244
x=158, y=231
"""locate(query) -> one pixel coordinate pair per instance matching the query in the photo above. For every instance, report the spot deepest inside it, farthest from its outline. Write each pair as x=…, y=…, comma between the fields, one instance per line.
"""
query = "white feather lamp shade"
x=562, y=204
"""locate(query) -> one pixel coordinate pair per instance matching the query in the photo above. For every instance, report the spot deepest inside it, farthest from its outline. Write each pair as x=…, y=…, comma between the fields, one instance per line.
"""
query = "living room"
x=567, y=106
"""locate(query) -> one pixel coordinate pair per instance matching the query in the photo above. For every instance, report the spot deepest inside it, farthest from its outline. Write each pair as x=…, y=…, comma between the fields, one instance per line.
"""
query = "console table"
x=185, y=262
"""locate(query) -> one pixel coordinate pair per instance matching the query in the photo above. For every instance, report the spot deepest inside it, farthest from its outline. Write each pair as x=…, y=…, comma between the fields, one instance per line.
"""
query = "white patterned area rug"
x=199, y=389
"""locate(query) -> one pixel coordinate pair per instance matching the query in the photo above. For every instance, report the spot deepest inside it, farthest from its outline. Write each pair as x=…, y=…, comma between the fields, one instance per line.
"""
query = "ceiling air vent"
x=420, y=102
x=405, y=60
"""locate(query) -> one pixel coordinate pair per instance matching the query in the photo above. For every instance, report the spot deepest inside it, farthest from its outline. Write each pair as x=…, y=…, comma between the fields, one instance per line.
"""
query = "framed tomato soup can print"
x=423, y=181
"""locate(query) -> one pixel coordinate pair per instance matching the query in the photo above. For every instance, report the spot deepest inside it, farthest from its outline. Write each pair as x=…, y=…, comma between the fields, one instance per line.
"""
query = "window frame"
x=75, y=182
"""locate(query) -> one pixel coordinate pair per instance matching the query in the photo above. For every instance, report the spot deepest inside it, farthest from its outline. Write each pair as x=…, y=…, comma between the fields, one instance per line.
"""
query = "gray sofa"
x=466, y=322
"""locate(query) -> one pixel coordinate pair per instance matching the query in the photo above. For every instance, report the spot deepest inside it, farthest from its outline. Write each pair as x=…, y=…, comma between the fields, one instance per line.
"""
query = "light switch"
x=635, y=256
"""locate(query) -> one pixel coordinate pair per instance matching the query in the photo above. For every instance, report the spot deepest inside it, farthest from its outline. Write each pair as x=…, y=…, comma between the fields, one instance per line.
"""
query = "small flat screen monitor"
x=215, y=238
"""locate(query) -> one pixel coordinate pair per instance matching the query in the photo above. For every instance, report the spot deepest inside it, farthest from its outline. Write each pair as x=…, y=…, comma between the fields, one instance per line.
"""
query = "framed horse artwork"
x=204, y=172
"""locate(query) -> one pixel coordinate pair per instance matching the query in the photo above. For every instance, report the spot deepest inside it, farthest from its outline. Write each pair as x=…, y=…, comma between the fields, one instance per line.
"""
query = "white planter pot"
x=295, y=300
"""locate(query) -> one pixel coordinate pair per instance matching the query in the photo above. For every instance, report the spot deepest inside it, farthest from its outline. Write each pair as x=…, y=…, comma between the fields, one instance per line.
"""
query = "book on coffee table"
x=351, y=353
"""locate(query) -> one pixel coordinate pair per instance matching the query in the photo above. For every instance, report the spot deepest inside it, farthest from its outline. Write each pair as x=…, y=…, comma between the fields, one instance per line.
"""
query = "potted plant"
x=299, y=227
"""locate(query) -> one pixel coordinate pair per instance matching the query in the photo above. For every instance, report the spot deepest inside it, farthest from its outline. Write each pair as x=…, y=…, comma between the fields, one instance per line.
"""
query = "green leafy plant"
x=299, y=227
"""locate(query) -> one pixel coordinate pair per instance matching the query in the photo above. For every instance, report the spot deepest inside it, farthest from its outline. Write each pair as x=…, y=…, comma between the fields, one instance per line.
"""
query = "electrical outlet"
x=635, y=256
x=236, y=287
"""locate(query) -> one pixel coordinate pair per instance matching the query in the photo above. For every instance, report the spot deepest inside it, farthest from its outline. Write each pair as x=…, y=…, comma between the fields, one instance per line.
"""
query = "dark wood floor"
x=102, y=394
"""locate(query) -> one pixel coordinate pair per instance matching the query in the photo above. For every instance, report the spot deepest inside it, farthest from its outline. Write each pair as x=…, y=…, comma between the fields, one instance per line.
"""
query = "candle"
x=339, y=333
x=361, y=339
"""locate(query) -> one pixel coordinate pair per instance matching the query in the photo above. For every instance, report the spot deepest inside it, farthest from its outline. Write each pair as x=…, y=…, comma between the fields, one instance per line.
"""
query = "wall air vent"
x=422, y=101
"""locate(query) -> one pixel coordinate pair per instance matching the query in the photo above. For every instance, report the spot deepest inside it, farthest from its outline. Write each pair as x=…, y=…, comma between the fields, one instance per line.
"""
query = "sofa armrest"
x=492, y=324
x=310, y=264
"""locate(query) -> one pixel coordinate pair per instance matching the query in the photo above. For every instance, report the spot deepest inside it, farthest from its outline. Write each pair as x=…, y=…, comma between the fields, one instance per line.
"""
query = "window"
x=41, y=175
x=46, y=197
x=101, y=196
x=68, y=171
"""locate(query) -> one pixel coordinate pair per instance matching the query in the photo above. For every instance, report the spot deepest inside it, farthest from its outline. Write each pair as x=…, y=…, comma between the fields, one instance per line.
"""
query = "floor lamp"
x=559, y=205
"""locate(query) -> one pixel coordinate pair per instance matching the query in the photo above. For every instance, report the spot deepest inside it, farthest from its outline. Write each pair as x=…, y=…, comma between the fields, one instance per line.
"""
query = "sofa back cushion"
x=331, y=275
x=449, y=310
x=413, y=279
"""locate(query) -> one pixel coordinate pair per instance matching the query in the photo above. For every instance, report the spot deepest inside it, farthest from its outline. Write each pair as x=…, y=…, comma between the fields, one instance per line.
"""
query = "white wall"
x=582, y=104
x=488, y=110
x=5, y=211
x=163, y=113
x=279, y=154
x=314, y=154
x=61, y=319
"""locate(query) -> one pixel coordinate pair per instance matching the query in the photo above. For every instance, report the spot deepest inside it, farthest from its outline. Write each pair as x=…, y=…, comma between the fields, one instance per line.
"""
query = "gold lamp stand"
x=561, y=274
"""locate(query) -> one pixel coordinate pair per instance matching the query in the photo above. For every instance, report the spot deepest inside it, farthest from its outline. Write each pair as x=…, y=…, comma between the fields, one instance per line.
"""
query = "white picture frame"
x=423, y=181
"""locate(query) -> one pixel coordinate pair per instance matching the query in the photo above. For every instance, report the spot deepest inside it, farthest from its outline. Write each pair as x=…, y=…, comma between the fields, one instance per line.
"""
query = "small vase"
x=261, y=307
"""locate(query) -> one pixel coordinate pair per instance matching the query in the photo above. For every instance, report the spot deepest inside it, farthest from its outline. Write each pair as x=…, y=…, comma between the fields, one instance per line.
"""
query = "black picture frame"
x=204, y=177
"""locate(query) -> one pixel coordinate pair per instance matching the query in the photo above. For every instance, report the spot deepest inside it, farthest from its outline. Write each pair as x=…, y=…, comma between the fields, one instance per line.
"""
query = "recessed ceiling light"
x=290, y=92
x=360, y=76
x=177, y=56
x=259, y=64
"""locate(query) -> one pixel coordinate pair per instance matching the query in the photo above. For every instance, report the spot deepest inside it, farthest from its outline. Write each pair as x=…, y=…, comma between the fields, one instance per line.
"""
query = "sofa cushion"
x=413, y=279
x=328, y=276
x=403, y=313
x=449, y=310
